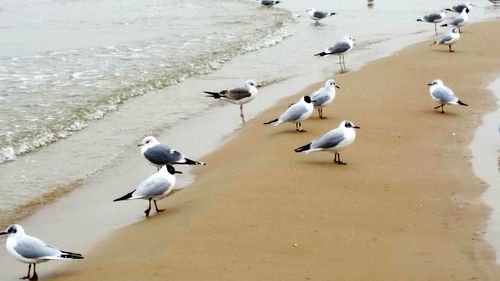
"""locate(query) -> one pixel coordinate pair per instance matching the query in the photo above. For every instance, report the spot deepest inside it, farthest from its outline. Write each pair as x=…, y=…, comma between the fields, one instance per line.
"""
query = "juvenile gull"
x=155, y=187
x=443, y=95
x=434, y=18
x=324, y=96
x=296, y=113
x=159, y=154
x=239, y=95
x=449, y=39
x=268, y=3
x=340, y=49
x=333, y=141
x=31, y=250
x=318, y=15
x=460, y=20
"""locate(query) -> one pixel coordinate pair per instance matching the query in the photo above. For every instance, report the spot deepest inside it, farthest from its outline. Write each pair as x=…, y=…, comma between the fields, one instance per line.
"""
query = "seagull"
x=434, y=18
x=31, y=250
x=334, y=140
x=155, y=187
x=449, y=38
x=459, y=21
x=268, y=3
x=443, y=95
x=297, y=112
x=318, y=15
x=239, y=95
x=340, y=48
x=324, y=96
x=159, y=154
x=460, y=7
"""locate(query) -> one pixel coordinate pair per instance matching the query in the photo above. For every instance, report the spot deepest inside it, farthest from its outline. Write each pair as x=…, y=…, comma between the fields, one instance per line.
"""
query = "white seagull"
x=334, y=141
x=268, y=3
x=460, y=7
x=340, y=49
x=239, y=95
x=324, y=96
x=159, y=154
x=31, y=250
x=434, y=18
x=449, y=39
x=318, y=15
x=155, y=187
x=296, y=113
x=459, y=21
x=443, y=95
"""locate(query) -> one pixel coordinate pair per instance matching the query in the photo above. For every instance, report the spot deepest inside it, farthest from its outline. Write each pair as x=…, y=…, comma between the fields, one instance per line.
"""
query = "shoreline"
x=218, y=232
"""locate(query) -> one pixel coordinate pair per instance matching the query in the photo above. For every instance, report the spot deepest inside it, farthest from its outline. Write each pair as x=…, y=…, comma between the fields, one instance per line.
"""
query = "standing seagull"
x=460, y=7
x=324, y=96
x=340, y=49
x=268, y=3
x=155, y=187
x=159, y=154
x=434, y=18
x=318, y=15
x=443, y=95
x=335, y=140
x=31, y=250
x=240, y=95
x=459, y=21
x=296, y=113
x=449, y=39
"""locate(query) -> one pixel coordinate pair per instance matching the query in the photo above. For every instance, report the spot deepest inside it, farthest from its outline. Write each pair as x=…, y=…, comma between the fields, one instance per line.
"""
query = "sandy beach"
x=405, y=207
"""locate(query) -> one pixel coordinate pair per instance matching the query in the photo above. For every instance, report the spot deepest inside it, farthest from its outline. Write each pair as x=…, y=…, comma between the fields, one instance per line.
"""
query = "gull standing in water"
x=449, y=39
x=340, y=49
x=443, y=95
x=159, y=154
x=239, y=95
x=334, y=141
x=296, y=113
x=155, y=187
x=31, y=250
x=434, y=18
x=459, y=21
x=318, y=15
x=324, y=96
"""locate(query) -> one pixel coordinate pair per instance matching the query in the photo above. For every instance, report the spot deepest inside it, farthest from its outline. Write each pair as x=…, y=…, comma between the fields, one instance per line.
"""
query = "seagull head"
x=251, y=83
x=307, y=99
x=171, y=170
x=348, y=125
x=12, y=230
x=466, y=11
x=455, y=30
x=311, y=10
x=331, y=83
x=435, y=82
x=148, y=141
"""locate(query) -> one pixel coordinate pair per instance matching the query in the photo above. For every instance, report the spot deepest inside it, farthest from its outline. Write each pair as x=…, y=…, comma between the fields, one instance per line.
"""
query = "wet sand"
x=406, y=207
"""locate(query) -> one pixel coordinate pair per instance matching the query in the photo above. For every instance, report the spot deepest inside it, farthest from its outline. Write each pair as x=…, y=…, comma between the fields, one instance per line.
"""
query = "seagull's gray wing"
x=457, y=21
x=33, y=248
x=329, y=140
x=339, y=47
x=154, y=185
x=161, y=154
x=293, y=113
x=237, y=93
x=319, y=97
x=432, y=17
x=443, y=94
x=320, y=14
x=445, y=39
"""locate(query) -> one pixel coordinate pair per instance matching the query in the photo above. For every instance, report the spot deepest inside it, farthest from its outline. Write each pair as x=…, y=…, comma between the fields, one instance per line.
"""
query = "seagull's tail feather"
x=321, y=54
x=272, y=121
x=192, y=162
x=303, y=148
x=461, y=103
x=332, y=13
x=70, y=255
x=125, y=197
x=213, y=95
x=443, y=25
x=449, y=10
x=419, y=20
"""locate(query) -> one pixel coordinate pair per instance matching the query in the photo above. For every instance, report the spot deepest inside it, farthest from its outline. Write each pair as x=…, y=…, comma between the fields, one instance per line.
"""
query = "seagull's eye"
x=12, y=229
x=348, y=125
x=147, y=141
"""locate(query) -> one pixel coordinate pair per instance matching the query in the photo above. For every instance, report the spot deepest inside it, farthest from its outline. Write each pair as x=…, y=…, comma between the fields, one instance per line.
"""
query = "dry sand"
x=406, y=207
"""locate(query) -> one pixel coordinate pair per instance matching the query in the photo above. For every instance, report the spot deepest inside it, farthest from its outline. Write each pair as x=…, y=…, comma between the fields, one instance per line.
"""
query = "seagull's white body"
x=318, y=15
x=443, y=95
x=449, y=38
x=324, y=96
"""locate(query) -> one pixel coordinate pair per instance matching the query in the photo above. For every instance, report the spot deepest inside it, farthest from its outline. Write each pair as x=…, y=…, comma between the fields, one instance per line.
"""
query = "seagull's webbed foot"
x=34, y=277
x=156, y=207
